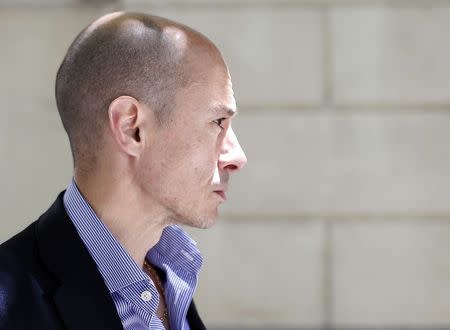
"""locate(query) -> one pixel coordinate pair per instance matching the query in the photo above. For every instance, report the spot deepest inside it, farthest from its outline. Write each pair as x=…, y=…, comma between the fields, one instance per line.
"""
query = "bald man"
x=147, y=105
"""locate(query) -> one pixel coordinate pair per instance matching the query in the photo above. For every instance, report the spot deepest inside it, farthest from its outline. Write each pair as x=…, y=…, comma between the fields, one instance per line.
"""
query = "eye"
x=219, y=122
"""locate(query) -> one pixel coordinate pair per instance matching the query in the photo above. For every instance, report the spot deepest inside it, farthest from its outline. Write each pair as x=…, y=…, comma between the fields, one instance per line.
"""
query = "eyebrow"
x=224, y=109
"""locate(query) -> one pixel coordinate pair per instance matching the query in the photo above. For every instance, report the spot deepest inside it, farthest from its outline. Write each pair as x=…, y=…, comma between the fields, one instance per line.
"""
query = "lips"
x=222, y=194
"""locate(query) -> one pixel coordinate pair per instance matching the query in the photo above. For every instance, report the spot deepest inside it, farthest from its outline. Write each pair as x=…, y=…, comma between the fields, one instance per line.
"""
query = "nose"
x=232, y=158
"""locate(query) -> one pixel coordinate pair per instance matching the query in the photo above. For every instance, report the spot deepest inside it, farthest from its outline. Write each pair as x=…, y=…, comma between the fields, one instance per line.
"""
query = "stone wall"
x=342, y=216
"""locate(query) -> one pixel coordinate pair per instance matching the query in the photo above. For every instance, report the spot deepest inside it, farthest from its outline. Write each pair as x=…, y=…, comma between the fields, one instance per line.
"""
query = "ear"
x=125, y=117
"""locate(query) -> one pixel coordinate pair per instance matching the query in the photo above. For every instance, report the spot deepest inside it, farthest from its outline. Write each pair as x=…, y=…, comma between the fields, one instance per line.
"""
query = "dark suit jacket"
x=49, y=281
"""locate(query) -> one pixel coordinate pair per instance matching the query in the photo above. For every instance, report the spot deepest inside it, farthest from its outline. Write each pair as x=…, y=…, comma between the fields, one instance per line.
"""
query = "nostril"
x=231, y=167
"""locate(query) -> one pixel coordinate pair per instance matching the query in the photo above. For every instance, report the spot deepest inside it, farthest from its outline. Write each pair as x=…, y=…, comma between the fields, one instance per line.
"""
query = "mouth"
x=222, y=194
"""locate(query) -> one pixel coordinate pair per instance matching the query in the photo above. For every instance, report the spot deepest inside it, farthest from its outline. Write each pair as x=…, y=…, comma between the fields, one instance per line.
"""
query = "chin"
x=207, y=224
x=201, y=218
x=201, y=222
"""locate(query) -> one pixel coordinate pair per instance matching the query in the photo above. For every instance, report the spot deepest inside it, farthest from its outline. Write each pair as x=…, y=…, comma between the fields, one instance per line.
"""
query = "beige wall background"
x=342, y=216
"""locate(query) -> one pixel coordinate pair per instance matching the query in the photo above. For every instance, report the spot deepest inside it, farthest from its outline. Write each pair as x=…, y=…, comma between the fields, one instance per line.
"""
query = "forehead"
x=209, y=90
x=225, y=102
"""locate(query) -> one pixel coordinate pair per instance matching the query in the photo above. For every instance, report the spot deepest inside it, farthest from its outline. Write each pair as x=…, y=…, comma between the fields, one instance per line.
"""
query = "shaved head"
x=146, y=57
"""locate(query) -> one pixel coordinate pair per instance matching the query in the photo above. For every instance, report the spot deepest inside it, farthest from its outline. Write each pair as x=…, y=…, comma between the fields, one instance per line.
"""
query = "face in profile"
x=188, y=167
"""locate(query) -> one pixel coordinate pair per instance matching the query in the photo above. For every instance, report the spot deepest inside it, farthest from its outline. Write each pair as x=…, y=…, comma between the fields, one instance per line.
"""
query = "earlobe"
x=124, y=115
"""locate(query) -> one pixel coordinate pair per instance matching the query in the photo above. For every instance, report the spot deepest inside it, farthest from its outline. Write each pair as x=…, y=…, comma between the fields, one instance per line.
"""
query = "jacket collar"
x=81, y=298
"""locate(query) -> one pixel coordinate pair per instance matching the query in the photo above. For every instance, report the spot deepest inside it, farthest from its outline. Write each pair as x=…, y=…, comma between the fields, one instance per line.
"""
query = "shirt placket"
x=144, y=298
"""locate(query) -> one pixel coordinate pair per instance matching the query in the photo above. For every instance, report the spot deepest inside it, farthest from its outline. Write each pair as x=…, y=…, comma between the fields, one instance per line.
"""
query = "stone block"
x=391, y=273
x=388, y=55
x=261, y=273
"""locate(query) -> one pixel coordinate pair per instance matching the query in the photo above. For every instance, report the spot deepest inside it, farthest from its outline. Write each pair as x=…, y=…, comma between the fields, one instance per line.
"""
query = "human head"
x=118, y=54
x=161, y=74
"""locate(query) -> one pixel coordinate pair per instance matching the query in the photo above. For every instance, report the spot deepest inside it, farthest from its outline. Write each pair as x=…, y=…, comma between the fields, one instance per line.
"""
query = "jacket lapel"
x=195, y=323
x=81, y=298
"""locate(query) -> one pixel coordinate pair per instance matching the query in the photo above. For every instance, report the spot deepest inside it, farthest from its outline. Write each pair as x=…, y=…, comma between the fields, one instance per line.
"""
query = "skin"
x=148, y=176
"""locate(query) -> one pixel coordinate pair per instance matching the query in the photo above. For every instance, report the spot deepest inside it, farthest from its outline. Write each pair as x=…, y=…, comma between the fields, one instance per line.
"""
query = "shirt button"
x=146, y=295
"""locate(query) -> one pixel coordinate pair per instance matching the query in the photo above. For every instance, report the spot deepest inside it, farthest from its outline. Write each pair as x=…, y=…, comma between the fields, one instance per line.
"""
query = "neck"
x=135, y=223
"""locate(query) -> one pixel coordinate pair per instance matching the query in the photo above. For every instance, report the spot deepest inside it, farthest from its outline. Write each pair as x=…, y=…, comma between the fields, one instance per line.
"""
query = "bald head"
x=146, y=57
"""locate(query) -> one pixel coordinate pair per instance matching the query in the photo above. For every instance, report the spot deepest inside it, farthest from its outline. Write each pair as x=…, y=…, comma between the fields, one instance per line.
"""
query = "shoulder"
x=19, y=250
x=24, y=283
x=13, y=245
x=27, y=282
x=18, y=256
x=21, y=260
x=15, y=253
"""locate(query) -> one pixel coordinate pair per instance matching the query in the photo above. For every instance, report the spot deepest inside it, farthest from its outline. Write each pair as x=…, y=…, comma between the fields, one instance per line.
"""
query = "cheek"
x=197, y=148
x=187, y=155
x=183, y=162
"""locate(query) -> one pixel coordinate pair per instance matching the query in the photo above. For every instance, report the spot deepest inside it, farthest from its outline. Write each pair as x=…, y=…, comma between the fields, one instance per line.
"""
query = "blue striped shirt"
x=133, y=292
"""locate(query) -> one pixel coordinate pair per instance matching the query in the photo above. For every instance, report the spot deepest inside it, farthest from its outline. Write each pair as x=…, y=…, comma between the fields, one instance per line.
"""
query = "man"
x=147, y=104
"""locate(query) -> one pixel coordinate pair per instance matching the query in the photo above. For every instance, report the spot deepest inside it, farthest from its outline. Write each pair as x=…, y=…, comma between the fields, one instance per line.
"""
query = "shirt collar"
x=175, y=248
